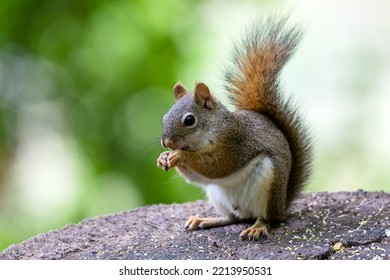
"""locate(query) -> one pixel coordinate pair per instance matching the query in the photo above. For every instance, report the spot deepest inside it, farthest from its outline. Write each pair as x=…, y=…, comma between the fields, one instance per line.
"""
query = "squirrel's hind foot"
x=259, y=229
x=196, y=222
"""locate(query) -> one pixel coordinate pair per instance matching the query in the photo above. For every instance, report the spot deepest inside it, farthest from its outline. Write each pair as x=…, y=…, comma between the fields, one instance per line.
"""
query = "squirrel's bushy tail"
x=252, y=83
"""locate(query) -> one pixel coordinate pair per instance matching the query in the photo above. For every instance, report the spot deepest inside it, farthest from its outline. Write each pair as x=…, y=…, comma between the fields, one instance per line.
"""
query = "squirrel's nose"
x=165, y=142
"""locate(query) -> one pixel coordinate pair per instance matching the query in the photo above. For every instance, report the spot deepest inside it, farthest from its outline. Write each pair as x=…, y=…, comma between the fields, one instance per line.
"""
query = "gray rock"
x=339, y=225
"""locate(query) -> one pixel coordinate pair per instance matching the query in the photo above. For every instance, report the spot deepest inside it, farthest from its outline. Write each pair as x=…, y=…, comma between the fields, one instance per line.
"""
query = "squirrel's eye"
x=189, y=120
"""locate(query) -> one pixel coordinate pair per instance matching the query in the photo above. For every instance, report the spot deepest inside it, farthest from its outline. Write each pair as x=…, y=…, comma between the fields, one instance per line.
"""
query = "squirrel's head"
x=190, y=123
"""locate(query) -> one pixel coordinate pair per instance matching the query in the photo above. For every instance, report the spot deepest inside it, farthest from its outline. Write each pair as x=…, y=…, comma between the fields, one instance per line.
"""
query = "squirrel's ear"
x=179, y=91
x=203, y=97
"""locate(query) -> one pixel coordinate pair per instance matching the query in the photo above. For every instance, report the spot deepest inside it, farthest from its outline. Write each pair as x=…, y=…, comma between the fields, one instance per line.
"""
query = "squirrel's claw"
x=193, y=222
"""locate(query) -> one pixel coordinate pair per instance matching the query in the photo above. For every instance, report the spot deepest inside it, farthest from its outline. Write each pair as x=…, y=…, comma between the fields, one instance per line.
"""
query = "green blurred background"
x=84, y=85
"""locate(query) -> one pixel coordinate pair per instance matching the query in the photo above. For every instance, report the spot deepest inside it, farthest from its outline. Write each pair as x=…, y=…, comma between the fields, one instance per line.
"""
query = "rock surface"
x=339, y=225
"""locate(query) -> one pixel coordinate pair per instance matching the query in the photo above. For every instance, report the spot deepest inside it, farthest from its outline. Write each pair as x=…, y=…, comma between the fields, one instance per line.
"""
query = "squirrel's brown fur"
x=251, y=162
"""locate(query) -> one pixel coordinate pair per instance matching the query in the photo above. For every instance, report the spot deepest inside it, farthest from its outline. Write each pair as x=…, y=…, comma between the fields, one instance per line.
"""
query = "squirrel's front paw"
x=168, y=160
x=173, y=158
x=162, y=161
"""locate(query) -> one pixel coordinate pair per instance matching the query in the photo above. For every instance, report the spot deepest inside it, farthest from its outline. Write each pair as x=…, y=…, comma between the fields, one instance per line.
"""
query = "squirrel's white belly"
x=244, y=193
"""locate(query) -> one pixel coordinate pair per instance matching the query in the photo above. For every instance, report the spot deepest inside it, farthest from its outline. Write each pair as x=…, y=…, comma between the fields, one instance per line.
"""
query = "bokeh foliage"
x=98, y=73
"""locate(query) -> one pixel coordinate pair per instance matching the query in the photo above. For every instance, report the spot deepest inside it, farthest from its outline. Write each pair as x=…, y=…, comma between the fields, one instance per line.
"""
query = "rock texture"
x=320, y=226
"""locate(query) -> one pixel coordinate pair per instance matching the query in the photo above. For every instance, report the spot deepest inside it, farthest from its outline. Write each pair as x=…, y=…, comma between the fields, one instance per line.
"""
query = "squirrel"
x=254, y=160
